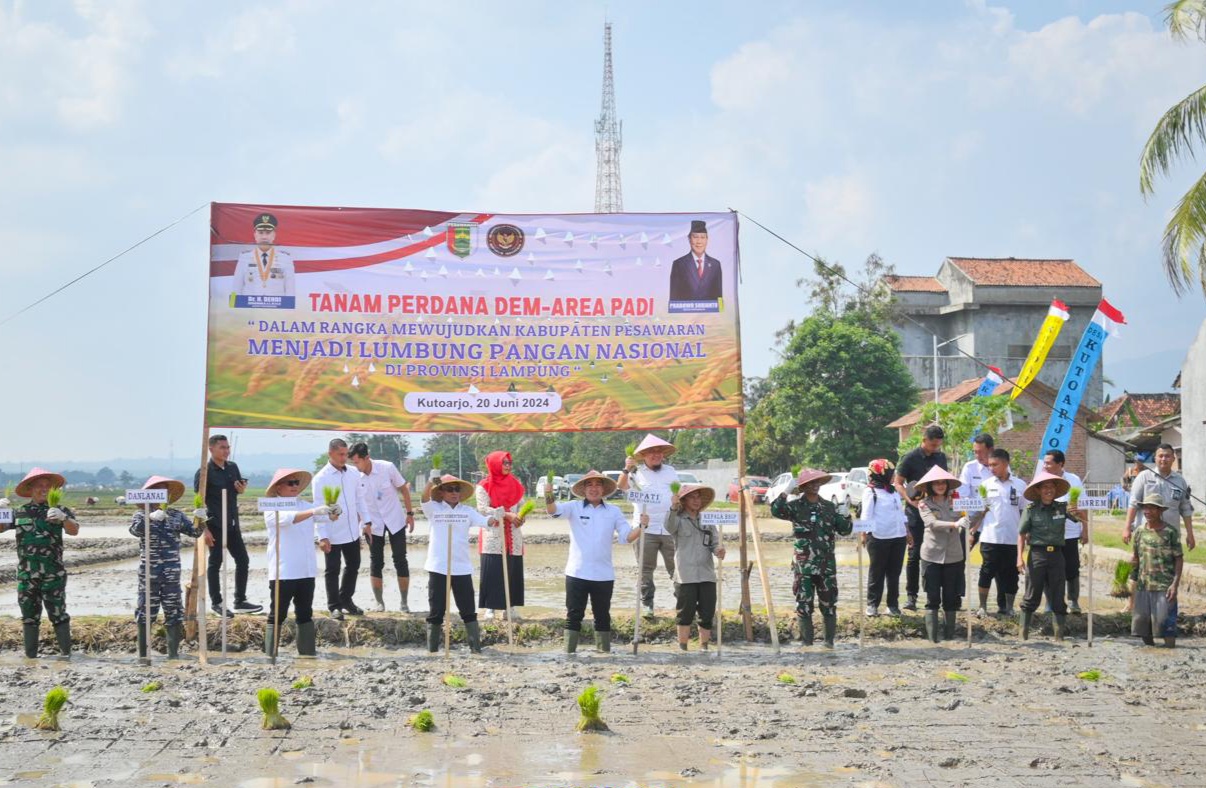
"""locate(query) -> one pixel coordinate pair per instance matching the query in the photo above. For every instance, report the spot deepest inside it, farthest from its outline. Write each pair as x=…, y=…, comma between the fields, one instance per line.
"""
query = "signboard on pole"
x=140, y=497
x=276, y=504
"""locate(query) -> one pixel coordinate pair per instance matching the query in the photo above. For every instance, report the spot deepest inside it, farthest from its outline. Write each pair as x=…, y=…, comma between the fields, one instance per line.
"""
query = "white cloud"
x=839, y=206
x=254, y=37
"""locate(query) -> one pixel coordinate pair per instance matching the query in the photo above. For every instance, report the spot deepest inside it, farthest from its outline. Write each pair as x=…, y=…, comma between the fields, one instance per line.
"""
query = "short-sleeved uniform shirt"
x=1172, y=488
x=377, y=498
x=1045, y=524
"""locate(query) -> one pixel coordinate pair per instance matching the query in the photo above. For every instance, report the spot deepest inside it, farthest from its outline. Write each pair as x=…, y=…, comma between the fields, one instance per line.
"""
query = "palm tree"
x=1173, y=138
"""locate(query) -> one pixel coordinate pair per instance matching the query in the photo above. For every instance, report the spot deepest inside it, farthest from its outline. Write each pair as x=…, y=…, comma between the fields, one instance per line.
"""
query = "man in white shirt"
x=976, y=471
x=653, y=477
x=998, y=529
x=382, y=517
x=1074, y=534
x=589, y=574
x=343, y=531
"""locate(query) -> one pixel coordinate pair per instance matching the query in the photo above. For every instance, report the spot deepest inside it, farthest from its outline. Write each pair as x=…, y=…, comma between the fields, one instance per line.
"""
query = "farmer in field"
x=1156, y=568
x=291, y=561
x=942, y=555
x=1042, y=527
x=589, y=575
x=41, y=576
x=451, y=491
x=816, y=525
x=694, y=572
x=167, y=525
x=652, y=475
x=500, y=490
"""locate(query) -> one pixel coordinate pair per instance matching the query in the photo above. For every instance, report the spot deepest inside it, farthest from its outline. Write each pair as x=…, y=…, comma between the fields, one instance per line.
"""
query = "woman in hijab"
x=500, y=490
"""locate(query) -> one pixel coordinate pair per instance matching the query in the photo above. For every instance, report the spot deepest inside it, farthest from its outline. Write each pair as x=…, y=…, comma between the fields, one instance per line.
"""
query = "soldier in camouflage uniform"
x=815, y=525
x=41, y=576
x=1156, y=568
x=167, y=525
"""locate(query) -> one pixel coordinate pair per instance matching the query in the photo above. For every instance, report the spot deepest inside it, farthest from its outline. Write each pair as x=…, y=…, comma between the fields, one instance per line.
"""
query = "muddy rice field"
x=896, y=710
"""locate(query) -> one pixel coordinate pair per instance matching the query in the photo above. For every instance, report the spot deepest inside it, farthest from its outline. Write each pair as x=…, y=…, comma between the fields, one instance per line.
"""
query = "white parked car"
x=686, y=477
x=559, y=486
x=783, y=483
x=846, y=489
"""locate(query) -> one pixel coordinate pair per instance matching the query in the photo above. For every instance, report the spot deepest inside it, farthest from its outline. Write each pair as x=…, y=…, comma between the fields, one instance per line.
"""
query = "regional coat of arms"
x=462, y=239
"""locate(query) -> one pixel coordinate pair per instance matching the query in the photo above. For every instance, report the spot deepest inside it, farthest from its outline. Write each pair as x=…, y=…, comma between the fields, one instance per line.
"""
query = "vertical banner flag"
x=1105, y=322
x=990, y=383
x=1057, y=315
x=382, y=320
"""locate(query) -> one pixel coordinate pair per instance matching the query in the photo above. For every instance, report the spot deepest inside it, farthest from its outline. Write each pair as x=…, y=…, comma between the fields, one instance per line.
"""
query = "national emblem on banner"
x=462, y=239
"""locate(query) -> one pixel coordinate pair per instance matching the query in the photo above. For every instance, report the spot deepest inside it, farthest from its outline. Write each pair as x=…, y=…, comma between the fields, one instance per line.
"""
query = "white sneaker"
x=405, y=608
x=648, y=611
x=981, y=612
x=872, y=611
x=379, y=607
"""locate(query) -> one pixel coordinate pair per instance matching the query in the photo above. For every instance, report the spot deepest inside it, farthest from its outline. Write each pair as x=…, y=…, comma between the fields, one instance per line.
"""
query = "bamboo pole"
x=970, y=588
x=200, y=561
x=276, y=593
x=225, y=570
x=762, y=575
x=743, y=552
x=636, y=618
x=1089, y=535
x=719, y=622
x=146, y=571
x=506, y=559
x=448, y=592
x=862, y=607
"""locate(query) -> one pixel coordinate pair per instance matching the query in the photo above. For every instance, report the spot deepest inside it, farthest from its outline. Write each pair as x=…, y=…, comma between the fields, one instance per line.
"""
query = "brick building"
x=994, y=307
x=1101, y=456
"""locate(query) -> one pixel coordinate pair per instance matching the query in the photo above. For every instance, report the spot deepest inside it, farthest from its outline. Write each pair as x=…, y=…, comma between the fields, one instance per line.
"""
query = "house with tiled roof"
x=991, y=310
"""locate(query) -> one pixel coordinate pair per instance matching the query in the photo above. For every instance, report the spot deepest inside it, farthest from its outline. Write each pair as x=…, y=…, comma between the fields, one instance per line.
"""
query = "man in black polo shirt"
x=225, y=475
x=909, y=470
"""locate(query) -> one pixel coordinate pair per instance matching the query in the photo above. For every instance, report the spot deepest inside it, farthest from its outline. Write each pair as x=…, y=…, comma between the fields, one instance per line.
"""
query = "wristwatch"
x=410, y=514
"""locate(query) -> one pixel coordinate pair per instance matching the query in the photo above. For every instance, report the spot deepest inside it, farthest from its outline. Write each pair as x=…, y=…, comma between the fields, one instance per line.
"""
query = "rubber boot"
x=806, y=634
x=911, y=604
x=1059, y=625
x=603, y=641
x=268, y=640
x=175, y=634
x=948, y=624
x=931, y=625
x=473, y=632
x=433, y=637
x=62, y=633
x=404, y=607
x=142, y=641
x=571, y=640
x=1074, y=596
x=1009, y=604
x=830, y=630
x=306, y=637
x=1026, y=618
x=30, y=633
x=1170, y=642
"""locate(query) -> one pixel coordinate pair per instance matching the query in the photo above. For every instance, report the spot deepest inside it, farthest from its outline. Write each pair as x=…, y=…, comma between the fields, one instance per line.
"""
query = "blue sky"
x=913, y=129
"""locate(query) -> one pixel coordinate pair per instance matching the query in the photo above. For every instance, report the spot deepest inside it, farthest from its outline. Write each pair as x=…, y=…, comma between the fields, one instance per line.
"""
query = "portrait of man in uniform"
x=264, y=270
x=696, y=276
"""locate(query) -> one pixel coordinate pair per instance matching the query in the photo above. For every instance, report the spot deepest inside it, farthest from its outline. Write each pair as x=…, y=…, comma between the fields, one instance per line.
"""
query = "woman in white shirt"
x=589, y=575
x=292, y=563
x=889, y=538
x=446, y=495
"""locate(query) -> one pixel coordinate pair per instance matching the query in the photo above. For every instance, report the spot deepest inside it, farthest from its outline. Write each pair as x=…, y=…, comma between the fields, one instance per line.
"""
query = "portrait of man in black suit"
x=696, y=276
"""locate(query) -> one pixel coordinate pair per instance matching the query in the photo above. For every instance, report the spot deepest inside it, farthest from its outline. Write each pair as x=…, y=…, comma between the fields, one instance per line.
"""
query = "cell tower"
x=609, y=198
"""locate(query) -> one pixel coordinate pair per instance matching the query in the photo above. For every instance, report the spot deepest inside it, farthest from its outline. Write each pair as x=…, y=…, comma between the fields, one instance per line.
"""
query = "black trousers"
x=1072, y=559
x=887, y=557
x=238, y=551
x=1000, y=562
x=696, y=598
x=299, y=593
x=462, y=592
x=1046, y=576
x=913, y=570
x=577, y=592
x=397, y=549
x=491, y=594
x=942, y=585
x=340, y=590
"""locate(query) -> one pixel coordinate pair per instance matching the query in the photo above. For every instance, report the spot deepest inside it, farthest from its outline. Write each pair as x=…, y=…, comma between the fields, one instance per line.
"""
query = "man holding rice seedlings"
x=652, y=475
x=694, y=572
x=1042, y=527
x=41, y=576
x=291, y=562
x=167, y=525
x=340, y=482
x=997, y=525
x=1156, y=568
x=224, y=474
x=382, y=517
x=589, y=574
x=1074, y=533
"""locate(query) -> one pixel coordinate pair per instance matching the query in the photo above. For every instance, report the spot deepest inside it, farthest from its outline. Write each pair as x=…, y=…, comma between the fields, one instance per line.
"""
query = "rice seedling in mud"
x=1122, y=574
x=619, y=678
x=456, y=682
x=959, y=677
x=56, y=699
x=422, y=722
x=270, y=701
x=785, y=678
x=305, y=682
x=1090, y=675
x=588, y=703
x=152, y=686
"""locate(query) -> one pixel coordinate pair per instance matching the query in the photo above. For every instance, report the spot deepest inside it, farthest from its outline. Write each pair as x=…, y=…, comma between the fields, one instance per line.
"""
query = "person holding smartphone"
x=223, y=474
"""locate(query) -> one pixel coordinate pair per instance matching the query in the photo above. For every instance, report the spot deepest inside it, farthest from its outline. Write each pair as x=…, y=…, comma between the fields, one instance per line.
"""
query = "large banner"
x=401, y=320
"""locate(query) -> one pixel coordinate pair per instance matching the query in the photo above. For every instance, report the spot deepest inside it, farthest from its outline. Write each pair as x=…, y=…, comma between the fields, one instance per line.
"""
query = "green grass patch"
x=423, y=722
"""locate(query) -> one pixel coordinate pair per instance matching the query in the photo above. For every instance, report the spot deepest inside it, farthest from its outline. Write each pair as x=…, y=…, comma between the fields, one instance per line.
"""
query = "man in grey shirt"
x=1171, y=486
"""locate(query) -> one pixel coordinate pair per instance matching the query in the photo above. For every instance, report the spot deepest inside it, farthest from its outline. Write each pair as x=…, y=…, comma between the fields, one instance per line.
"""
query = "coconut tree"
x=1173, y=139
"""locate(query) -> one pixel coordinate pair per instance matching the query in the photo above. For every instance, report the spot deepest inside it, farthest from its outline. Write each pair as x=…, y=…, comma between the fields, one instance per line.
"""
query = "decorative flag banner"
x=381, y=320
x=1057, y=315
x=989, y=385
x=1105, y=323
